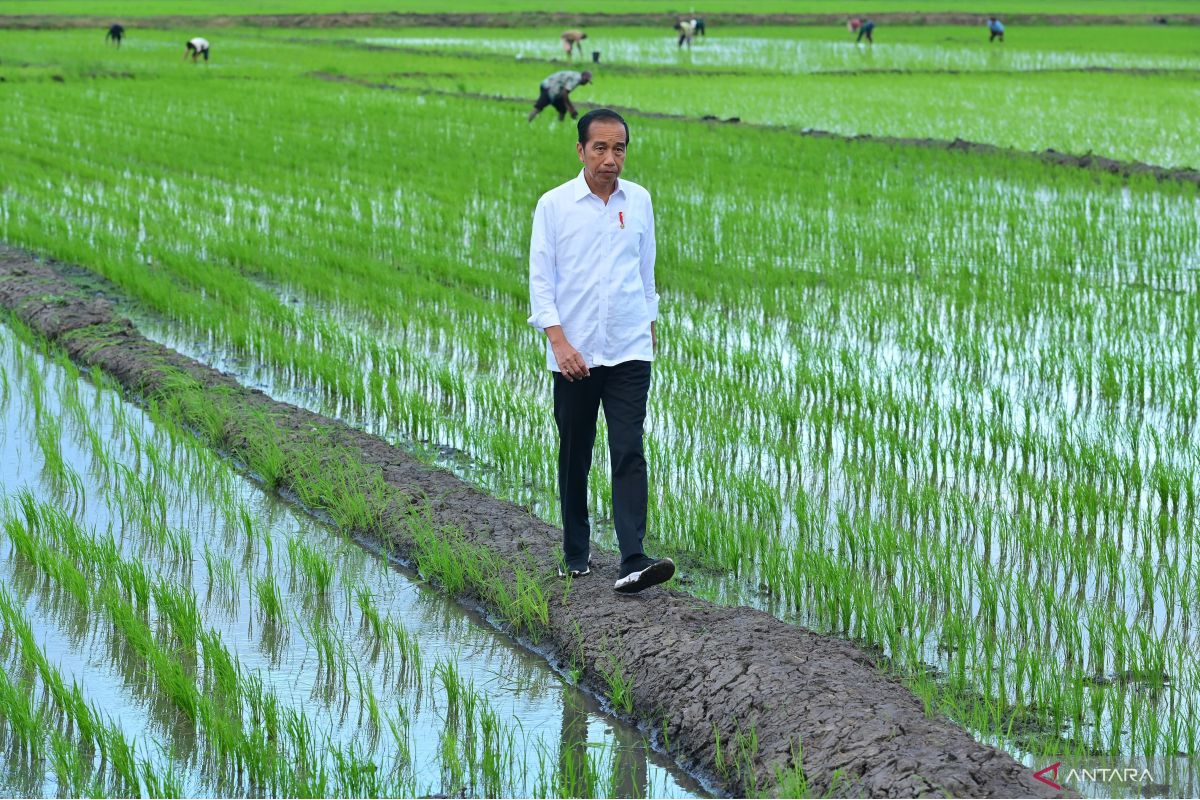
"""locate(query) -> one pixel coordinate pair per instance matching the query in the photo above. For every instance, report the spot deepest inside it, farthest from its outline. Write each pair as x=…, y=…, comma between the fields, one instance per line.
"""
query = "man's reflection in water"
x=579, y=777
x=629, y=765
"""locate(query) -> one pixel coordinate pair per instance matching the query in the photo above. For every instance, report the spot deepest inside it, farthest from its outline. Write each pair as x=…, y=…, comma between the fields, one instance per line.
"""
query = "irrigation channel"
x=161, y=610
x=734, y=693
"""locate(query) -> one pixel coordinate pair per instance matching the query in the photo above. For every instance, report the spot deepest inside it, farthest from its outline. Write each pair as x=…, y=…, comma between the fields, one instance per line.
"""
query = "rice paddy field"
x=170, y=629
x=940, y=403
x=144, y=8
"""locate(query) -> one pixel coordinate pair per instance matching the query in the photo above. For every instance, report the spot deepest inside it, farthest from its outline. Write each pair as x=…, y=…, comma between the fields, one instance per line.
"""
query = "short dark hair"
x=585, y=122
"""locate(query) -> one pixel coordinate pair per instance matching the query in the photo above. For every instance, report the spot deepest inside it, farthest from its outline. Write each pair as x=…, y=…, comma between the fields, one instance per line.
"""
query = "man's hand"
x=653, y=336
x=570, y=363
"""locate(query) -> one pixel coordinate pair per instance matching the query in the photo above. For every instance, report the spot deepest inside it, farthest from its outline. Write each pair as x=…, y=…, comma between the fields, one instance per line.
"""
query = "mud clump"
x=696, y=669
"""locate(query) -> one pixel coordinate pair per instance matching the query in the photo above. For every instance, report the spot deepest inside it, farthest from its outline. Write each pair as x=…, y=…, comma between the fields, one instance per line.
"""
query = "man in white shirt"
x=195, y=48
x=591, y=286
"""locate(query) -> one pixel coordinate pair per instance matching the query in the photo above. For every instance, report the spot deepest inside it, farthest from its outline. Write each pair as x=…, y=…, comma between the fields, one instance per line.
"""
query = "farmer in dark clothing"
x=116, y=32
x=592, y=294
x=867, y=28
x=996, y=29
x=556, y=91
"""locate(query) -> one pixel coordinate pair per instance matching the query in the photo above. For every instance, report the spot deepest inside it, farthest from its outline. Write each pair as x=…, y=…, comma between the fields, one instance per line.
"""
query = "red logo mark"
x=1053, y=769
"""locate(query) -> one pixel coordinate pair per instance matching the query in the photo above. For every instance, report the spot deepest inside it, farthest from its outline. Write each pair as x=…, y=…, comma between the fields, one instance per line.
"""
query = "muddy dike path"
x=696, y=669
x=525, y=19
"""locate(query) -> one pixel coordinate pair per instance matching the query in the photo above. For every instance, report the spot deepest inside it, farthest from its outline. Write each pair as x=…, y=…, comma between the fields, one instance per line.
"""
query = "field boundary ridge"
x=731, y=693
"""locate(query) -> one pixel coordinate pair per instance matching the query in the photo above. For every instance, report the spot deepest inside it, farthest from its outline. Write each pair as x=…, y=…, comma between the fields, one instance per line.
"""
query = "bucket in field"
x=595, y=56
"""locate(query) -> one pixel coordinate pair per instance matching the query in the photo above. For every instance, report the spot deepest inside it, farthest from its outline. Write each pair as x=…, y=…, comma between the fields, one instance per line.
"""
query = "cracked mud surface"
x=697, y=668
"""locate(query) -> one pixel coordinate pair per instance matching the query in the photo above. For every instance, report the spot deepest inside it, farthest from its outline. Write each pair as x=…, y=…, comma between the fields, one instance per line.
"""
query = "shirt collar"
x=582, y=190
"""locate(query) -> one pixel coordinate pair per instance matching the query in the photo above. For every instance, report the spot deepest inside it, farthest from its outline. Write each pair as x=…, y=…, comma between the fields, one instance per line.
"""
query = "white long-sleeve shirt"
x=591, y=270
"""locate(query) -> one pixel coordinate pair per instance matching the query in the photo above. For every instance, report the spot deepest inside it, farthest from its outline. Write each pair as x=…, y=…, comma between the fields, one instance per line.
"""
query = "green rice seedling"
x=409, y=653
x=49, y=436
x=315, y=567
x=578, y=773
x=265, y=456
x=452, y=686
x=453, y=772
x=270, y=602
x=222, y=578
x=399, y=725
x=179, y=607
x=4, y=389
x=70, y=771
x=894, y=434
x=792, y=781
x=619, y=685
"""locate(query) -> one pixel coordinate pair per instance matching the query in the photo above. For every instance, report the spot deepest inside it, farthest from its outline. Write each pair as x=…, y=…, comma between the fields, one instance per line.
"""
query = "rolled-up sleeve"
x=649, y=248
x=543, y=308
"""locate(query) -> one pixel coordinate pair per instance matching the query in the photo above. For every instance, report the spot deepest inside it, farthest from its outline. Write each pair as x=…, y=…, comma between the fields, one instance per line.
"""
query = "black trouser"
x=559, y=102
x=622, y=389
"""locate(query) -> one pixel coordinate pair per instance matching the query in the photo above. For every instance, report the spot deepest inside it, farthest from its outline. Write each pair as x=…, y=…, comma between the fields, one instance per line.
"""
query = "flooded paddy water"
x=941, y=405
x=828, y=503
x=138, y=569
x=747, y=50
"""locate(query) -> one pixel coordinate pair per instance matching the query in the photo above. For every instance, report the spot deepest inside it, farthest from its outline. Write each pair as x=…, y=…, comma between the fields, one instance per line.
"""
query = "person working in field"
x=195, y=48
x=995, y=30
x=687, y=31
x=572, y=41
x=865, y=28
x=116, y=33
x=556, y=91
x=591, y=288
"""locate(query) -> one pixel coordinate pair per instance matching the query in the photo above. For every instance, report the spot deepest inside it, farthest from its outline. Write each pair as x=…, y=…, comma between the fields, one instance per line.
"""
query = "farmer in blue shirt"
x=867, y=28
x=996, y=27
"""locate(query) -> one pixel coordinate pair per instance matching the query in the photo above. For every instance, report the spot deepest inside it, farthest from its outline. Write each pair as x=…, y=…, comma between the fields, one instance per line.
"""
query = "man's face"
x=604, y=154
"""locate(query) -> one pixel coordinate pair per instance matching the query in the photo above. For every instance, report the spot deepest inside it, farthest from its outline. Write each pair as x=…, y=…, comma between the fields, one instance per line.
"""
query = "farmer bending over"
x=572, y=41
x=996, y=29
x=687, y=31
x=867, y=29
x=195, y=48
x=556, y=91
x=591, y=288
x=116, y=32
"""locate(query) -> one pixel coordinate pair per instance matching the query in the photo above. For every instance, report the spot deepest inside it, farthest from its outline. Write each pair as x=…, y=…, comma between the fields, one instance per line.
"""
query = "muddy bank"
x=696, y=668
x=549, y=18
x=1090, y=161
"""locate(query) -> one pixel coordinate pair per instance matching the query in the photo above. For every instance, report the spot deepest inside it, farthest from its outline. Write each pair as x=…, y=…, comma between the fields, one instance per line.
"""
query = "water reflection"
x=316, y=654
x=626, y=759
